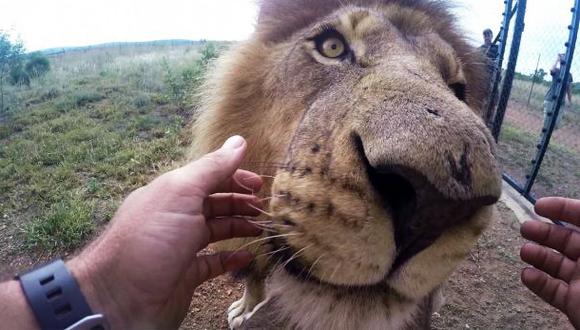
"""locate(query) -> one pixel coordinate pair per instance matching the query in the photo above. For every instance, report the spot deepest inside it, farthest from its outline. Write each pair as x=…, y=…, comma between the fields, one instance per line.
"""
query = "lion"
x=367, y=117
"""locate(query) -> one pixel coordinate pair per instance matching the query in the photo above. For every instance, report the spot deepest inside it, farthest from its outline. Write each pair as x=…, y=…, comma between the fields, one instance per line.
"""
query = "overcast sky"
x=42, y=24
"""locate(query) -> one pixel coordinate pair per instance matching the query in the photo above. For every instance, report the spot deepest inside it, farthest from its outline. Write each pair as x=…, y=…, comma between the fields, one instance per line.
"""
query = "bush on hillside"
x=37, y=65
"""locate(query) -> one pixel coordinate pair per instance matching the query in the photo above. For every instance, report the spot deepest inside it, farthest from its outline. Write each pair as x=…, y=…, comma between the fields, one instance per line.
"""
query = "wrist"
x=98, y=292
x=16, y=311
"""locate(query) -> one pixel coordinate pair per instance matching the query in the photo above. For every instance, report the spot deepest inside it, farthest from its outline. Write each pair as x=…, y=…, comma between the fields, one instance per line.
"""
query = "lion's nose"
x=420, y=211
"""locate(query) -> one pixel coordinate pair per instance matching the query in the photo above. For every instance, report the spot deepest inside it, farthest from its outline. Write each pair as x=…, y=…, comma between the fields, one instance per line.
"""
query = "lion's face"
x=371, y=115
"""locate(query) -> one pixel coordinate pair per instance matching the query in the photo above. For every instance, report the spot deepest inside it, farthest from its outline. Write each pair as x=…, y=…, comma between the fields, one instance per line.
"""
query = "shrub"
x=83, y=98
x=37, y=65
x=209, y=52
x=141, y=101
x=19, y=76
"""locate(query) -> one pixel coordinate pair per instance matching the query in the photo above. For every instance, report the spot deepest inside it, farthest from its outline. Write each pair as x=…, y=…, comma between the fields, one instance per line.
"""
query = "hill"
x=124, y=45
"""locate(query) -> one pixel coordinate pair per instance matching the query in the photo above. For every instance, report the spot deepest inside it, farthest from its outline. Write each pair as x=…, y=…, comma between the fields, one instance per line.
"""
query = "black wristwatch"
x=57, y=301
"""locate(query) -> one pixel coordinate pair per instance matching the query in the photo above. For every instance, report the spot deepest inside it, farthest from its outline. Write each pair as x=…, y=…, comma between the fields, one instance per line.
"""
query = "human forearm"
x=14, y=310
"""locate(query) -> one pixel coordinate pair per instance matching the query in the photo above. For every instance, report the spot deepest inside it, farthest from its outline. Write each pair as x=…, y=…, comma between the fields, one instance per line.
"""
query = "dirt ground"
x=484, y=293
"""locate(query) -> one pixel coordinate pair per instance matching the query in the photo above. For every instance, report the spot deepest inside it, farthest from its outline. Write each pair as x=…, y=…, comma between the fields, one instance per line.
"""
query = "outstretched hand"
x=556, y=276
x=141, y=273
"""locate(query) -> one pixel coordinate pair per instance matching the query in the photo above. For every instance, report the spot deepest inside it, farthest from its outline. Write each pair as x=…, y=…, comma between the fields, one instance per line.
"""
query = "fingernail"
x=234, y=143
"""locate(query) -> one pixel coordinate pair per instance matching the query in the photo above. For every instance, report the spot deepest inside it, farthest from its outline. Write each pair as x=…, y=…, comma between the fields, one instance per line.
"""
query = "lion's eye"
x=459, y=90
x=333, y=48
x=331, y=44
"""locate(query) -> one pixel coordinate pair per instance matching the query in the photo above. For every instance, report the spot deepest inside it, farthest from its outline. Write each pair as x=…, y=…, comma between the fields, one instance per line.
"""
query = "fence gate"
x=535, y=102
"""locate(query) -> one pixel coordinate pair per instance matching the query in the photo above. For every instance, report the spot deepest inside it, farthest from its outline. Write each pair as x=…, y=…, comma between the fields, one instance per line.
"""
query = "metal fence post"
x=553, y=114
x=511, y=69
x=502, y=37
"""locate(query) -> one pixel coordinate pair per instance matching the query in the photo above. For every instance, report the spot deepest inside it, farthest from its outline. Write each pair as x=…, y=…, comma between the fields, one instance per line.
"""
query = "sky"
x=43, y=24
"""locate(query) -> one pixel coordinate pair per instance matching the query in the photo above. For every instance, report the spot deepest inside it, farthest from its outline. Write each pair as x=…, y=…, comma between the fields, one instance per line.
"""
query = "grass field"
x=560, y=172
x=102, y=123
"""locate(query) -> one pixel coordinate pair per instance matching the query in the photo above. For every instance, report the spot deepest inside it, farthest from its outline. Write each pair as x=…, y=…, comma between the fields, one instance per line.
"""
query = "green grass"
x=99, y=125
x=559, y=174
x=521, y=92
x=65, y=225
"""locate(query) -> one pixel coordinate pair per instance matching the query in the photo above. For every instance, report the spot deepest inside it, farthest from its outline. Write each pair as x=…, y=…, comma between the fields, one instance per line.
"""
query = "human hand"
x=556, y=276
x=142, y=272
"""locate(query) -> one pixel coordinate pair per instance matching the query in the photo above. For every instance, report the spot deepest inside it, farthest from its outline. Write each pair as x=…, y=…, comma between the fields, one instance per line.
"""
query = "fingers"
x=222, y=229
x=558, y=208
x=243, y=182
x=558, y=238
x=222, y=205
x=549, y=289
x=210, y=266
x=548, y=261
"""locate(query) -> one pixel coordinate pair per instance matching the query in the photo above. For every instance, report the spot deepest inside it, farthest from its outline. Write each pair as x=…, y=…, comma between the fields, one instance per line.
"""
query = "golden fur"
x=384, y=171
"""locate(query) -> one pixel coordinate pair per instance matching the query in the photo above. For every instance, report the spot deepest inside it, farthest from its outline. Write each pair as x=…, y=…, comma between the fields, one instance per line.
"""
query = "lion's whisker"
x=259, y=210
x=272, y=197
x=314, y=265
x=335, y=270
x=266, y=228
x=244, y=186
x=272, y=253
x=297, y=254
x=265, y=239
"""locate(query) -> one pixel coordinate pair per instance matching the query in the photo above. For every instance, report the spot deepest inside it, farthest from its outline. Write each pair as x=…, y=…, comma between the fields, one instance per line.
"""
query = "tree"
x=10, y=56
x=540, y=75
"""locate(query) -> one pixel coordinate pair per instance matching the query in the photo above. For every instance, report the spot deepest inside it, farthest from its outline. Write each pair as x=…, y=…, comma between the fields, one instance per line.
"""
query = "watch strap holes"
x=54, y=293
x=46, y=280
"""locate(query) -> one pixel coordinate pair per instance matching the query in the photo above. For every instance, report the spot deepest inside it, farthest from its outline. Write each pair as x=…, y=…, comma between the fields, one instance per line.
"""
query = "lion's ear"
x=279, y=19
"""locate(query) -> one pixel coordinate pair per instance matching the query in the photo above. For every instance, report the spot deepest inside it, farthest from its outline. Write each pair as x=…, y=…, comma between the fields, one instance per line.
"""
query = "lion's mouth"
x=420, y=212
x=403, y=194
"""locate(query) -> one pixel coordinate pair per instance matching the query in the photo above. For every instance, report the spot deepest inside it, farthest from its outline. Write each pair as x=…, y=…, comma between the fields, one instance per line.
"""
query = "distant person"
x=490, y=49
x=550, y=99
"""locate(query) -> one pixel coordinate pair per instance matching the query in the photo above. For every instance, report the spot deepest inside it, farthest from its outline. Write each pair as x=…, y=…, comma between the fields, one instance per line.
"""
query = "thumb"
x=207, y=173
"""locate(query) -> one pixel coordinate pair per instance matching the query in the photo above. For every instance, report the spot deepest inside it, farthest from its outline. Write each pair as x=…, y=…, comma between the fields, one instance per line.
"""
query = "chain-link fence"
x=537, y=165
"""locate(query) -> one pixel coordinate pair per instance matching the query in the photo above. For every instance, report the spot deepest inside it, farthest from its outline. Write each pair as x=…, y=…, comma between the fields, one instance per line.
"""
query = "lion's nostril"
x=420, y=213
x=396, y=192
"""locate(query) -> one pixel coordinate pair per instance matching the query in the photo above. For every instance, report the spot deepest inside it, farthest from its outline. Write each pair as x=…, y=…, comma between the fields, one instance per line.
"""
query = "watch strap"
x=54, y=296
